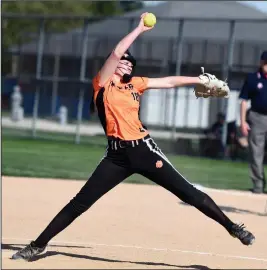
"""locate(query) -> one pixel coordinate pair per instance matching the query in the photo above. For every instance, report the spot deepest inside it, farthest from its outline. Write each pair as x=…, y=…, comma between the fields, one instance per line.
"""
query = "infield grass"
x=23, y=156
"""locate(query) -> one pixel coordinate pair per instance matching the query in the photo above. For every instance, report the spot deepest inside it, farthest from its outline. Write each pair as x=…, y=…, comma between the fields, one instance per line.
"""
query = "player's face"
x=124, y=67
x=264, y=66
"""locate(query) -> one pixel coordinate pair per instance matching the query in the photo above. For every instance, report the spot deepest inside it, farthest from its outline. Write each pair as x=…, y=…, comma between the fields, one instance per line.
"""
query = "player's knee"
x=78, y=206
x=194, y=197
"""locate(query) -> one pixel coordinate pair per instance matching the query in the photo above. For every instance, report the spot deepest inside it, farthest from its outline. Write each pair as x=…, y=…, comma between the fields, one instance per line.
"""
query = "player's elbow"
x=118, y=53
x=170, y=82
x=169, y=86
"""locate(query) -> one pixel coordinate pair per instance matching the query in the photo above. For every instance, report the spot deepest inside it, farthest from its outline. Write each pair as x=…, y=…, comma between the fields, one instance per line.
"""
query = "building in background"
x=205, y=43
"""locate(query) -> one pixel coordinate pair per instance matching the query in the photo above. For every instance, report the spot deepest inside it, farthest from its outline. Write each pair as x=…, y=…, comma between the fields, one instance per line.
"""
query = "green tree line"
x=14, y=29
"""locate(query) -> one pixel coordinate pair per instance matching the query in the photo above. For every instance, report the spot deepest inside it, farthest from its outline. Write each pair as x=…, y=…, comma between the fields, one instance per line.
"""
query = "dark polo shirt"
x=255, y=89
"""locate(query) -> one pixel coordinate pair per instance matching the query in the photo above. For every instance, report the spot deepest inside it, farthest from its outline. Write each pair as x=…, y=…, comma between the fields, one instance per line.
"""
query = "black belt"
x=116, y=143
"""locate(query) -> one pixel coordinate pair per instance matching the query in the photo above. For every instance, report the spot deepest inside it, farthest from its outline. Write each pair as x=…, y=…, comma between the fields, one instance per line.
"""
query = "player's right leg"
x=105, y=177
x=154, y=165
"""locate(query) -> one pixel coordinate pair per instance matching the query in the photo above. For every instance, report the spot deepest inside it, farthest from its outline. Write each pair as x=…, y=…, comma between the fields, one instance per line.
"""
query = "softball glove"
x=211, y=86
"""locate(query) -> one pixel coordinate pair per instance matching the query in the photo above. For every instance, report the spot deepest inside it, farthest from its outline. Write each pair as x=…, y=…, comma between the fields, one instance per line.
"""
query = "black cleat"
x=28, y=253
x=246, y=237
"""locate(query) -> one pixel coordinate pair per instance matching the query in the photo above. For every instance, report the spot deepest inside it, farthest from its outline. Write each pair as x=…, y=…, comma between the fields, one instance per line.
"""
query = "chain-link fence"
x=55, y=69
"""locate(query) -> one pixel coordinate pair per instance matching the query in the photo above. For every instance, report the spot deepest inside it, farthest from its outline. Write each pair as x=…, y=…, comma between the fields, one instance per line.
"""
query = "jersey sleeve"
x=140, y=84
x=244, y=93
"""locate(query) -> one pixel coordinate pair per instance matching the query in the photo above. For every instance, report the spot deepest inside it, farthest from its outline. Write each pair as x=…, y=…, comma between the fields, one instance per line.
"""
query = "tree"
x=16, y=30
x=20, y=29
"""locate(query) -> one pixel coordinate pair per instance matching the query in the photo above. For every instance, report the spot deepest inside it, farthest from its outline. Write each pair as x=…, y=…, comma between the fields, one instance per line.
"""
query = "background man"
x=254, y=122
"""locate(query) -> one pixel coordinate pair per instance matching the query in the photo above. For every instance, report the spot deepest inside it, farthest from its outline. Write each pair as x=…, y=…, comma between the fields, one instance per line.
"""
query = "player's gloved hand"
x=210, y=86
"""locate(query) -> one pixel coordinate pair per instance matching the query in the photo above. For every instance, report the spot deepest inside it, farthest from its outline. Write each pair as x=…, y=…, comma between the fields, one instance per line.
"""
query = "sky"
x=262, y=5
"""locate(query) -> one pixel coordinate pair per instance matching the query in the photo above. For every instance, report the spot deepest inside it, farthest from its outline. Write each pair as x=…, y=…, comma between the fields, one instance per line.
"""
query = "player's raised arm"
x=112, y=62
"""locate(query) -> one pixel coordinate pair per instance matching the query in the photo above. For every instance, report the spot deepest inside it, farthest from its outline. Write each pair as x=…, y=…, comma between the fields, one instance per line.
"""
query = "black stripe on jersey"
x=101, y=108
x=144, y=127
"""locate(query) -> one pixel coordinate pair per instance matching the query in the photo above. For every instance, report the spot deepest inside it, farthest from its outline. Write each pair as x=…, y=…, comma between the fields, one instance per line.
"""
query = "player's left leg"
x=111, y=171
x=154, y=165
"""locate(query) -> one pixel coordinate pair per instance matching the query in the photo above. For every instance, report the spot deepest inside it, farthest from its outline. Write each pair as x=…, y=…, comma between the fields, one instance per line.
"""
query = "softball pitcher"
x=130, y=149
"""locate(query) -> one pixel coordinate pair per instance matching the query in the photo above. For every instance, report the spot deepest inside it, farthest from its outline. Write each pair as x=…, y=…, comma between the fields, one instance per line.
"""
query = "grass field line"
x=188, y=166
x=203, y=253
x=235, y=193
x=31, y=169
x=27, y=151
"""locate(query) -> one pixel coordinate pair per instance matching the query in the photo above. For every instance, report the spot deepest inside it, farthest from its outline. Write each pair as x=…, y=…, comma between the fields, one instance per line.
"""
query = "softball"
x=150, y=20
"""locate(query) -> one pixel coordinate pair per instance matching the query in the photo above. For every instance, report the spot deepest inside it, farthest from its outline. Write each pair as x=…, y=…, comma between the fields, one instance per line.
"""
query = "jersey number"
x=135, y=96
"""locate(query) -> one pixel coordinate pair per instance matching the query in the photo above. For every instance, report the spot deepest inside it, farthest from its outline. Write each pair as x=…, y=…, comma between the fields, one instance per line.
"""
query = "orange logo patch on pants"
x=159, y=164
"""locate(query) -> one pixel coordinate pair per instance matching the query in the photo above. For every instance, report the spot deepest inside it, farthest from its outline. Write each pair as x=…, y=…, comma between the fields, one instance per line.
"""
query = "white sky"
x=262, y=5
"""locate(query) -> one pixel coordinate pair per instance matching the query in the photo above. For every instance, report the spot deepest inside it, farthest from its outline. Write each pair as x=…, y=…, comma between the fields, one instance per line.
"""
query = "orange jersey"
x=118, y=107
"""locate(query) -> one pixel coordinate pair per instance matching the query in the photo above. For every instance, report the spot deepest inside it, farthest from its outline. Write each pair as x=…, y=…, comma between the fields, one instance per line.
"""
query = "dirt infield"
x=133, y=226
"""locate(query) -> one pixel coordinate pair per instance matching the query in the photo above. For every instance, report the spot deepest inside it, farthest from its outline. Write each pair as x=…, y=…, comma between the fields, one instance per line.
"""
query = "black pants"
x=121, y=161
x=145, y=159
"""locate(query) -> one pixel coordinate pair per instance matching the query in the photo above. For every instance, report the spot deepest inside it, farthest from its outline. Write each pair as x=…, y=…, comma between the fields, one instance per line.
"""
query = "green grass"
x=54, y=136
x=64, y=159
